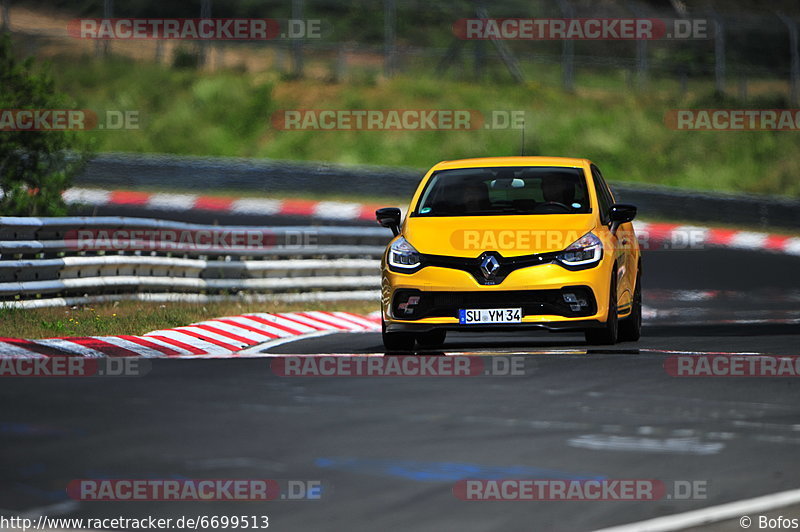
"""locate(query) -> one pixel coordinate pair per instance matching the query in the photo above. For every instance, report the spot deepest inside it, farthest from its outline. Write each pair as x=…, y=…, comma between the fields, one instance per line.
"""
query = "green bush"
x=35, y=166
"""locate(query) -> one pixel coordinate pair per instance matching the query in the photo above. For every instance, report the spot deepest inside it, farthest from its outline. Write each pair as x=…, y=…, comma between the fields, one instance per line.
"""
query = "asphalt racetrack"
x=389, y=450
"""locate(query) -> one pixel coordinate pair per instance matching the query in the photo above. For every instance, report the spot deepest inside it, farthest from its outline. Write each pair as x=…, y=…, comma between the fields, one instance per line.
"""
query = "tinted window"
x=504, y=190
x=603, y=194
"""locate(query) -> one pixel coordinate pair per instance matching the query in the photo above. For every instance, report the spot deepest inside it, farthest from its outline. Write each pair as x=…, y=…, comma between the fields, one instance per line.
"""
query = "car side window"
x=606, y=187
x=604, y=197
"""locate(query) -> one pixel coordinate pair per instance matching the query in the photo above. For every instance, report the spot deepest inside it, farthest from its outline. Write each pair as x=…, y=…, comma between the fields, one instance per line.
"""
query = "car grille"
x=416, y=304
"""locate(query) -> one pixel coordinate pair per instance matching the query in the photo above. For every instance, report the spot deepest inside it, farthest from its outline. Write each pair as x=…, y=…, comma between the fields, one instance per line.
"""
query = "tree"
x=35, y=166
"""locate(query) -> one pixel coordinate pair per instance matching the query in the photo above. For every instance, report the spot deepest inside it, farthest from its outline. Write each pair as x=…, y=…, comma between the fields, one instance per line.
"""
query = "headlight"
x=586, y=250
x=403, y=255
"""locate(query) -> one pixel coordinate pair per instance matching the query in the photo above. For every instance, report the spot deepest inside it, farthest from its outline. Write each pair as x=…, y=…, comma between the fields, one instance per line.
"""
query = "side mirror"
x=621, y=213
x=389, y=217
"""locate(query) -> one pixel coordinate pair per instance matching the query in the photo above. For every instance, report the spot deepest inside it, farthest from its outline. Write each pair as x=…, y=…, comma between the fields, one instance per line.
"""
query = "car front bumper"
x=544, y=277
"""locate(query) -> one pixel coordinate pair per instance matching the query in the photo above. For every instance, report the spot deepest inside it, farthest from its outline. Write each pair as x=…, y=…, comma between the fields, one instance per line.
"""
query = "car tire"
x=432, y=339
x=607, y=335
x=396, y=341
x=630, y=328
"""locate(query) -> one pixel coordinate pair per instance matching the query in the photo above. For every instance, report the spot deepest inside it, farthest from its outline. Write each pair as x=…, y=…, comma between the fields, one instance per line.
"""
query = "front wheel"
x=396, y=341
x=607, y=335
x=630, y=328
x=432, y=339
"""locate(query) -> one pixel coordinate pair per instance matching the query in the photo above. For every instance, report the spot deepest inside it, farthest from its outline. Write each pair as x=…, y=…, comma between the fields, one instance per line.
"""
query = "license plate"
x=489, y=315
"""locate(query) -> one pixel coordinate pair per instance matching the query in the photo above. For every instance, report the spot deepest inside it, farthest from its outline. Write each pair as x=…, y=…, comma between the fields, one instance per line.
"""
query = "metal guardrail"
x=269, y=176
x=74, y=258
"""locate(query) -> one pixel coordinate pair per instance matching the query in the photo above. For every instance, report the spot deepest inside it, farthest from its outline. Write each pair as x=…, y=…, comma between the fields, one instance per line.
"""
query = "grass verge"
x=228, y=113
x=136, y=318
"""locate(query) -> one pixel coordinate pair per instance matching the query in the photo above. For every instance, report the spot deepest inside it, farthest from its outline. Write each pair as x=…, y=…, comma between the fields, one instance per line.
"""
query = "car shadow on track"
x=721, y=329
x=514, y=342
x=656, y=333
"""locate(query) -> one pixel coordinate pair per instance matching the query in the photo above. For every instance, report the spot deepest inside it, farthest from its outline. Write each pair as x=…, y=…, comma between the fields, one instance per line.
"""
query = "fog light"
x=570, y=298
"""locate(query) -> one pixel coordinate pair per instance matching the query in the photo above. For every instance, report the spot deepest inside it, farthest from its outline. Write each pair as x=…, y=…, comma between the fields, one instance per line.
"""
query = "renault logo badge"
x=489, y=265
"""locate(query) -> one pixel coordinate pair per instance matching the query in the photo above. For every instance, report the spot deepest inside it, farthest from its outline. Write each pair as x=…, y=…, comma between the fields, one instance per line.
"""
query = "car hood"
x=469, y=236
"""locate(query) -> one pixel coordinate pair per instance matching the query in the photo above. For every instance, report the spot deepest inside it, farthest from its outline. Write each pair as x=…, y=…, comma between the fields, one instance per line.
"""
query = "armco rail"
x=75, y=260
x=121, y=171
x=46, y=261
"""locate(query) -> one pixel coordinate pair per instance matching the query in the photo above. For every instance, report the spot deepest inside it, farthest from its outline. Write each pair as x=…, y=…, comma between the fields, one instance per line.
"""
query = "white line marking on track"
x=59, y=508
x=711, y=514
x=602, y=442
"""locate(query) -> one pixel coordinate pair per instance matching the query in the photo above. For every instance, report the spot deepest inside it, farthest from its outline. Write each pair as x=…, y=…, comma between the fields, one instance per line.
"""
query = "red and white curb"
x=332, y=210
x=651, y=235
x=220, y=337
x=676, y=236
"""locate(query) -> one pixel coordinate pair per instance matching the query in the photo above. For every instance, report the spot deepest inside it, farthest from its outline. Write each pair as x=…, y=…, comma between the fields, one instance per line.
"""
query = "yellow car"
x=509, y=243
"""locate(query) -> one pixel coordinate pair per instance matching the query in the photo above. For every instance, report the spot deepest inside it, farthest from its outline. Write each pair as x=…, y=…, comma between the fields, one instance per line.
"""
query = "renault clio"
x=511, y=243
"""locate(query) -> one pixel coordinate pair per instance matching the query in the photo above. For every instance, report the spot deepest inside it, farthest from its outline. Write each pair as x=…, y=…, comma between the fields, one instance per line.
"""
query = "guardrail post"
x=389, y=36
x=479, y=56
x=296, y=44
x=641, y=51
x=567, y=50
x=505, y=53
x=794, y=69
x=719, y=54
x=6, y=25
x=340, y=70
x=202, y=51
x=103, y=46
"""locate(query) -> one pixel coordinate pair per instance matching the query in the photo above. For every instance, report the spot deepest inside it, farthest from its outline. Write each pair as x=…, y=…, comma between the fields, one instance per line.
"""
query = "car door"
x=626, y=267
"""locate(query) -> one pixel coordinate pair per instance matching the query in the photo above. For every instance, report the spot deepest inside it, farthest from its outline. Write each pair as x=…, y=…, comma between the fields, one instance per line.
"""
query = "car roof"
x=567, y=162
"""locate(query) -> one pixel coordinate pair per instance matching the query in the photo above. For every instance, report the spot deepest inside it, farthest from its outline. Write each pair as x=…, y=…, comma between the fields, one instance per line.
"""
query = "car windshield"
x=504, y=190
